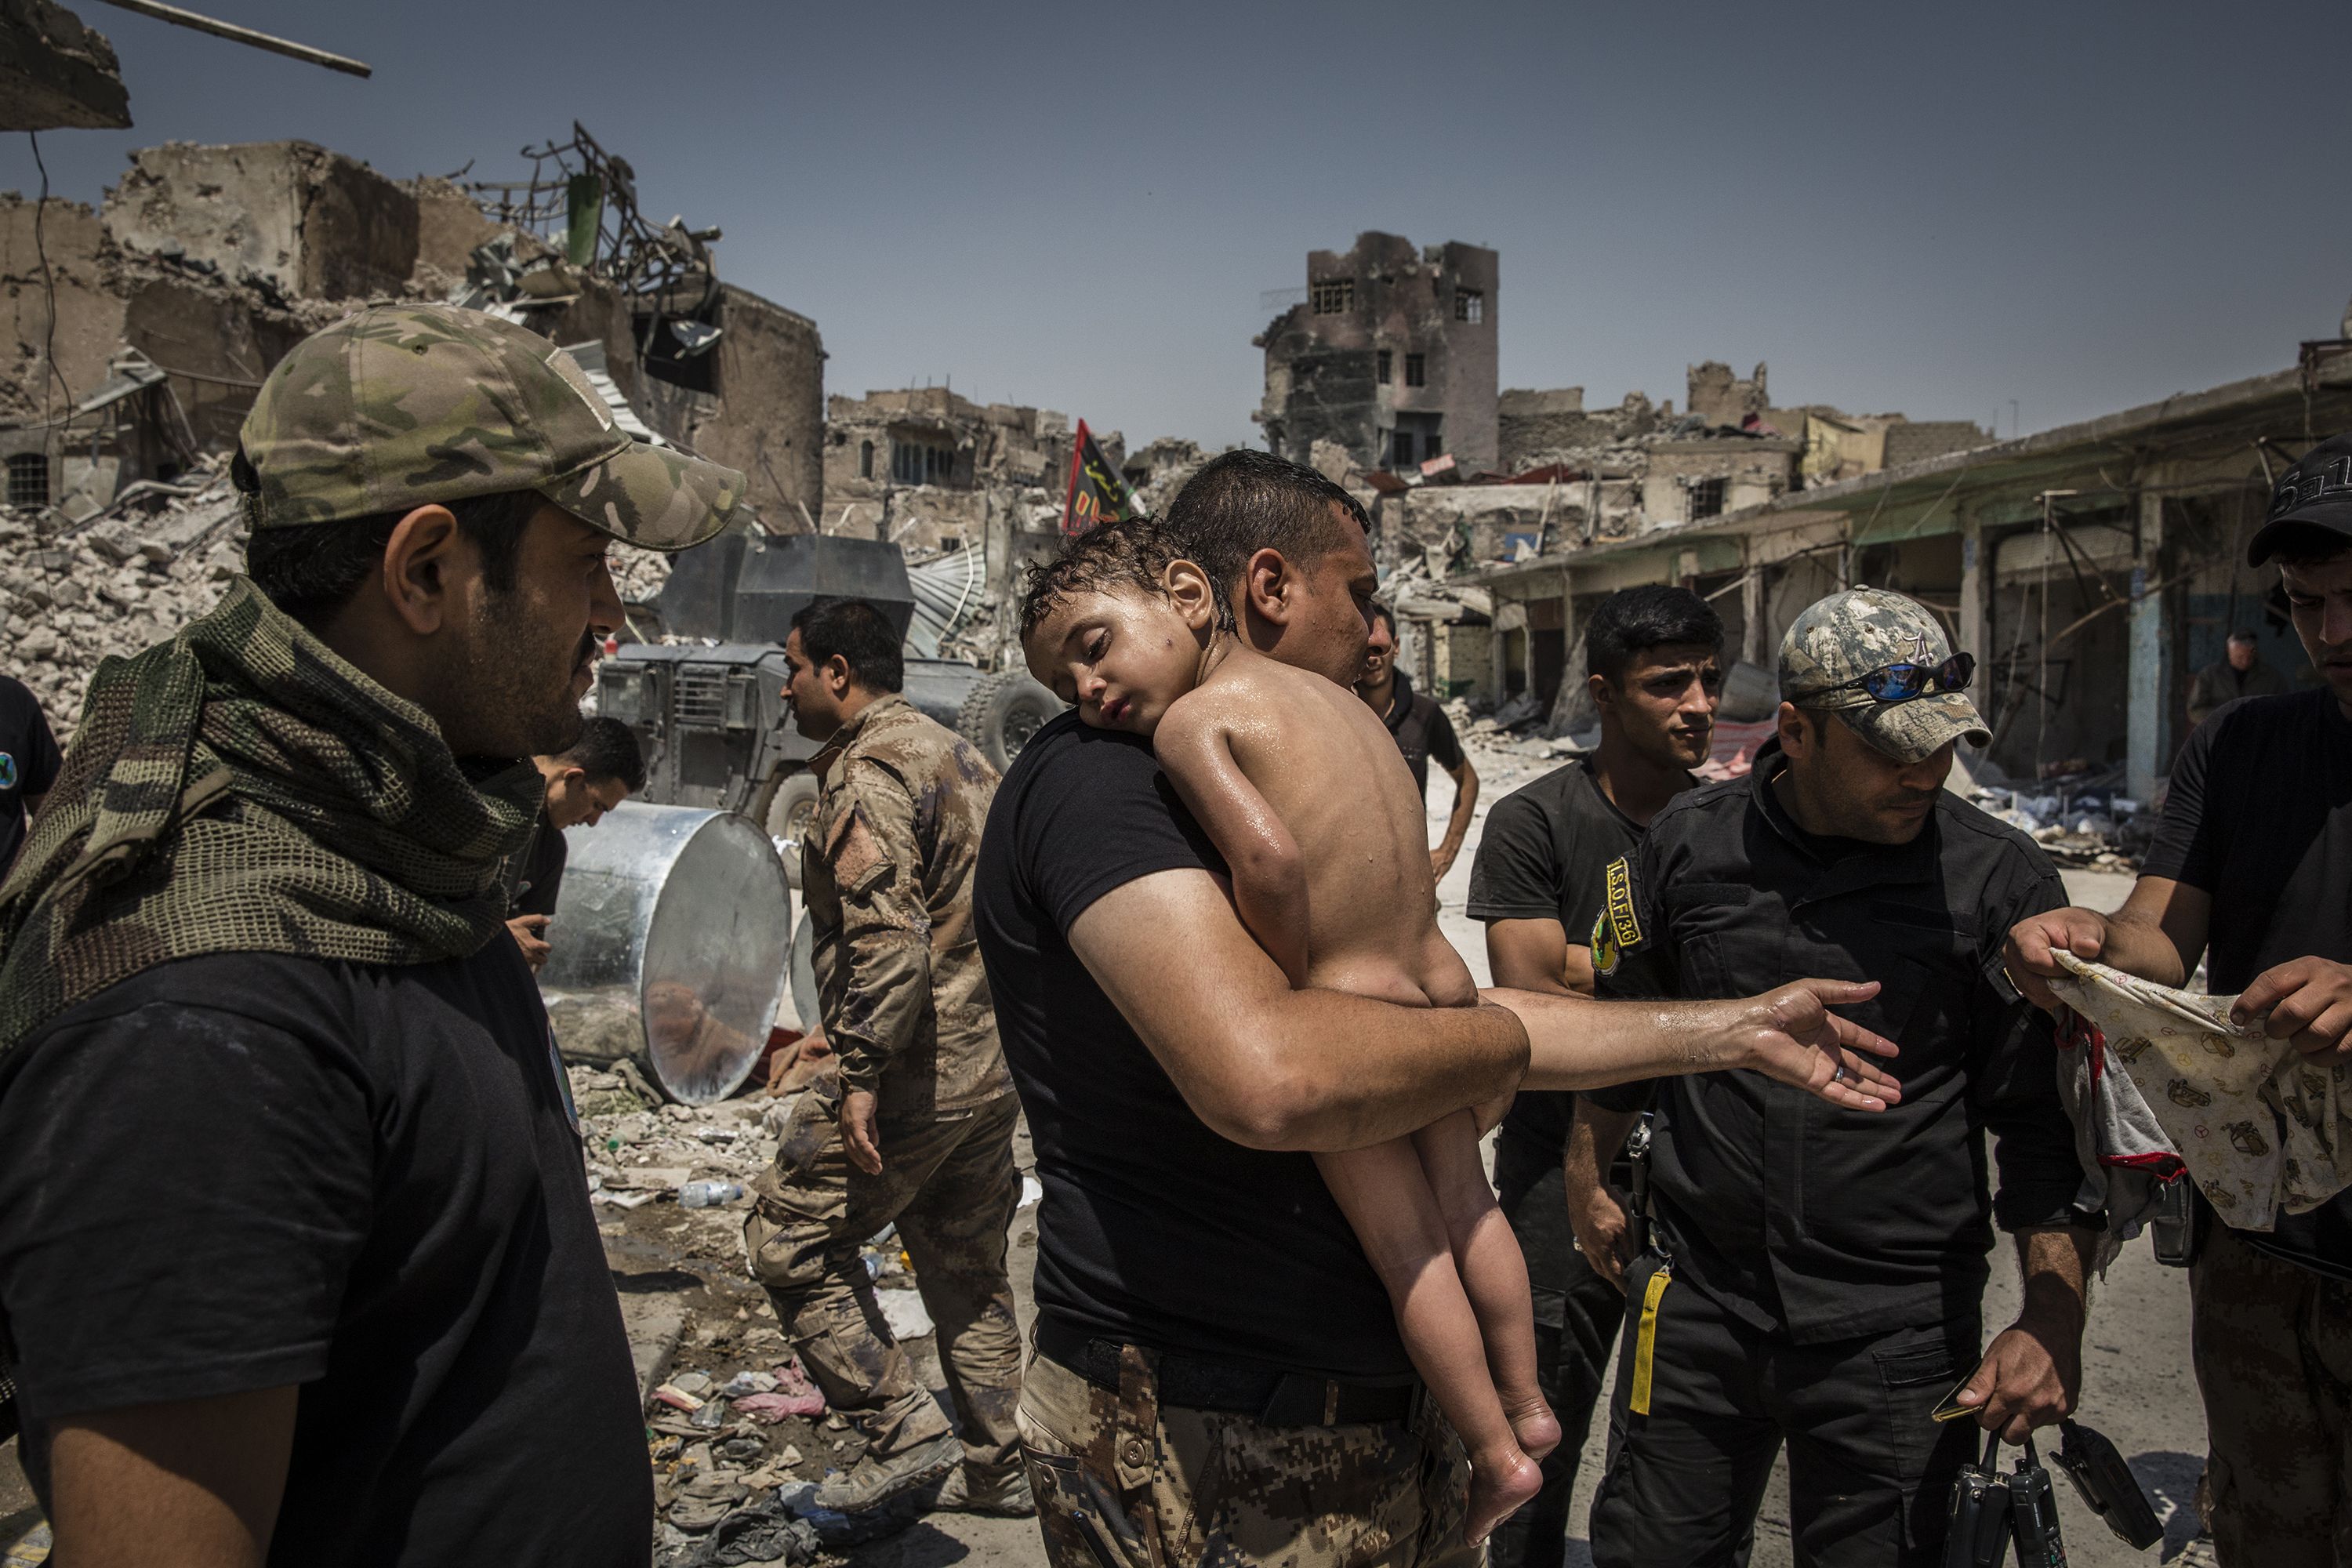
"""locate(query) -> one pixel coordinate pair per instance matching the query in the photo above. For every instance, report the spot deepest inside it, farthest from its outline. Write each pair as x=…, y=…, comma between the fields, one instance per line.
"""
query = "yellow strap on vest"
x=1646, y=1341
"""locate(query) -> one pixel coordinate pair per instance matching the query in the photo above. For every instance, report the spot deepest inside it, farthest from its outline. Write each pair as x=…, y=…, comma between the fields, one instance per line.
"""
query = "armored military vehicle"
x=711, y=716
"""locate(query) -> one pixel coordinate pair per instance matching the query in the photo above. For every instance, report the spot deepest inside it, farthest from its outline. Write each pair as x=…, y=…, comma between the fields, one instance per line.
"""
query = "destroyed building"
x=2092, y=569
x=1389, y=352
x=135, y=337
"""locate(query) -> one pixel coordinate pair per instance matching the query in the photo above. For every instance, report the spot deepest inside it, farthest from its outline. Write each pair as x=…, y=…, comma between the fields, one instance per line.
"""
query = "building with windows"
x=1389, y=352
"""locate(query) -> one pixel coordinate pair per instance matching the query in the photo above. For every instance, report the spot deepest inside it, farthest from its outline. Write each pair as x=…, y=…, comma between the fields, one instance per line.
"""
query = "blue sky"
x=2080, y=206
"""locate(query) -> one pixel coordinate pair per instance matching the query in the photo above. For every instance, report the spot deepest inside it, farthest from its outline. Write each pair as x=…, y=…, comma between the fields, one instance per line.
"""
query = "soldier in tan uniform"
x=916, y=1127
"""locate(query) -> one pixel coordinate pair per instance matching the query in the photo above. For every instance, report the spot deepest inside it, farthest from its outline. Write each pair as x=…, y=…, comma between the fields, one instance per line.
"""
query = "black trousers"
x=1577, y=1315
x=1869, y=1473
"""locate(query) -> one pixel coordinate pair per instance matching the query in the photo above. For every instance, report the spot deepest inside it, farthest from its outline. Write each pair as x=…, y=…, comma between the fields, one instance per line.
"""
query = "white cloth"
x=2259, y=1127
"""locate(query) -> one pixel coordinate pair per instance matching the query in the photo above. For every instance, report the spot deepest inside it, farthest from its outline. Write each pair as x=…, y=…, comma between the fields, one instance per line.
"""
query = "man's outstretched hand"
x=2031, y=953
x=1790, y=1033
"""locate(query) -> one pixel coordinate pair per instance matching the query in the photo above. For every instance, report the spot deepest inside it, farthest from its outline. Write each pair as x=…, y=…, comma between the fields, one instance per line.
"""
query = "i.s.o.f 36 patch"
x=1618, y=929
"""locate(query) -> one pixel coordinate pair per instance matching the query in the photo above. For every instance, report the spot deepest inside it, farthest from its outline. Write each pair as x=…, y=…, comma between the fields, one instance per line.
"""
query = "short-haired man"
x=296, y=1249
x=1206, y=1319
x=1653, y=666
x=916, y=1127
x=2251, y=868
x=1423, y=733
x=1817, y=1277
x=586, y=780
x=2239, y=672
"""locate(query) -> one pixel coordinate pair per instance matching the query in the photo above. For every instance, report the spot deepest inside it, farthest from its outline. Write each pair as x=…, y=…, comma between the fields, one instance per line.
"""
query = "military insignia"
x=2246, y=1141
x=1604, y=945
x=7, y=770
x=1623, y=923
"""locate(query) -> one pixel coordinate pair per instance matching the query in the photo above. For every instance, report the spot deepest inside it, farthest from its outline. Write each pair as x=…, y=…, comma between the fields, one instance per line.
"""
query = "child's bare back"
x=1333, y=781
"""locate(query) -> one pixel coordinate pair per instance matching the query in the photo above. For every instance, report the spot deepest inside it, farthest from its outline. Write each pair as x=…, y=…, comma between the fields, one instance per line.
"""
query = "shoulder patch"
x=1617, y=929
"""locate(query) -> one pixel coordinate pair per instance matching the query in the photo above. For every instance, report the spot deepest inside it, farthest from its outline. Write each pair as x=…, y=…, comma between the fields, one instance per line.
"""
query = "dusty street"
x=691, y=1310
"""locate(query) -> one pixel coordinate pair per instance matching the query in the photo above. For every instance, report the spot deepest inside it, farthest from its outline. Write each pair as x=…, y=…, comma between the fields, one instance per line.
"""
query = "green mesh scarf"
x=242, y=789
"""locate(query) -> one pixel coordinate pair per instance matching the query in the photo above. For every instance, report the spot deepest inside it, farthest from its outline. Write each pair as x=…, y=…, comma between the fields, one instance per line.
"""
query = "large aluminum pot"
x=670, y=945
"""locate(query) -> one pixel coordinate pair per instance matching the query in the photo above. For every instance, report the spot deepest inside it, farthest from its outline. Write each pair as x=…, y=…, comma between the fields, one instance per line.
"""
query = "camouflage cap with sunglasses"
x=1841, y=641
x=399, y=405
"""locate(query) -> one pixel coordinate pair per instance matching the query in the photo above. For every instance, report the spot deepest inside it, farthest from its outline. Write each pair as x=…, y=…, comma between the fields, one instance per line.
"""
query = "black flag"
x=1097, y=494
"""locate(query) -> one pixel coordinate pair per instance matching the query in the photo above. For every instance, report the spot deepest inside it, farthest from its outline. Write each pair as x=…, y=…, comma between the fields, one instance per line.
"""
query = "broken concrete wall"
x=1747, y=473
x=1537, y=428
x=55, y=73
x=449, y=224
x=289, y=216
x=1719, y=397
x=766, y=416
x=88, y=314
x=1909, y=441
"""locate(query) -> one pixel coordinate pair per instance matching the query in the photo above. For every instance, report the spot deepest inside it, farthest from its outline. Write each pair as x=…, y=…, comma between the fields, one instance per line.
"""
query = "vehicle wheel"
x=785, y=809
x=1003, y=711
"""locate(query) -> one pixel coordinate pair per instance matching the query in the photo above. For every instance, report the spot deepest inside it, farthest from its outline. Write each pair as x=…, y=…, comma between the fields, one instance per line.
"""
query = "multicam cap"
x=2314, y=499
x=1845, y=637
x=402, y=405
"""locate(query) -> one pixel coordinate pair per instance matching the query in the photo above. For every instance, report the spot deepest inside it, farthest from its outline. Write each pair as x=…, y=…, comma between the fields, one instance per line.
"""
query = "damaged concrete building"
x=1388, y=352
x=135, y=338
x=2092, y=569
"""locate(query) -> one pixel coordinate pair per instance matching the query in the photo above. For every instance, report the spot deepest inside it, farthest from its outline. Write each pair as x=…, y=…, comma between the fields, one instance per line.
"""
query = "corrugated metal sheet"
x=947, y=592
x=590, y=357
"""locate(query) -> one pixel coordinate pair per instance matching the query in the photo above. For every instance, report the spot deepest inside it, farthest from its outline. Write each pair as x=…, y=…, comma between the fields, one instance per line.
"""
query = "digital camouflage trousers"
x=2272, y=1344
x=951, y=1188
x=1123, y=1481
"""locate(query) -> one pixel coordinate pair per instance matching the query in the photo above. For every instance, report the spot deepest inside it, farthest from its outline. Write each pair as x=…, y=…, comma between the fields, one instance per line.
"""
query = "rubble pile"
x=737, y=1435
x=118, y=581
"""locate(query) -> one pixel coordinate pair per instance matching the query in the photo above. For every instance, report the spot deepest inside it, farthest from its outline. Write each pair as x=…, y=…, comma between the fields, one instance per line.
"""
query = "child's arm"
x=1269, y=873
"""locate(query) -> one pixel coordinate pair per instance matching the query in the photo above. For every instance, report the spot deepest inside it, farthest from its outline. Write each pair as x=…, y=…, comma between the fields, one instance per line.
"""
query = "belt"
x=1239, y=1388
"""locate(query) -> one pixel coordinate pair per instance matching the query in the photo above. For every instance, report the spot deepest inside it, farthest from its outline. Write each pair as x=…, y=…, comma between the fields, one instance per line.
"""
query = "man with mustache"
x=296, y=1251
x=1815, y=1276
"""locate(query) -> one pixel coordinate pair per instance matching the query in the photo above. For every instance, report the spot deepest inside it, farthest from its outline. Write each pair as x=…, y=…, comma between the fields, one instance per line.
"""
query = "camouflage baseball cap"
x=1847, y=636
x=402, y=405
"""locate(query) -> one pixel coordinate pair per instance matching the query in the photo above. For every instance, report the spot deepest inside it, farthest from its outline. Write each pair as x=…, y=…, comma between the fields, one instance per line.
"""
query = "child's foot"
x=1499, y=1487
x=1534, y=1424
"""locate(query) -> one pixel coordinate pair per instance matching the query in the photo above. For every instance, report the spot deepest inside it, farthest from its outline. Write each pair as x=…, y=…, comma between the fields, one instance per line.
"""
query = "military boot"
x=876, y=1479
x=1002, y=1490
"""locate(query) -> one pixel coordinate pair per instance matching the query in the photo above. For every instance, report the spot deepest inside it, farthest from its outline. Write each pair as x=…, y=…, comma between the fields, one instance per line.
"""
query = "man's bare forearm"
x=1350, y=1072
x=2139, y=946
x=2055, y=1263
x=1575, y=1042
x=1595, y=1137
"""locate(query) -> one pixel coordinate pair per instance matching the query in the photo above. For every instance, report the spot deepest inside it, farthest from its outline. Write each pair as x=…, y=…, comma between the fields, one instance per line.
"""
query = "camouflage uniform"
x=887, y=877
x=1200, y=1486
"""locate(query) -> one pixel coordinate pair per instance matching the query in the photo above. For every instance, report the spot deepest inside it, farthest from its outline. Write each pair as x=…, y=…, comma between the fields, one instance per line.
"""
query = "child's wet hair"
x=1131, y=553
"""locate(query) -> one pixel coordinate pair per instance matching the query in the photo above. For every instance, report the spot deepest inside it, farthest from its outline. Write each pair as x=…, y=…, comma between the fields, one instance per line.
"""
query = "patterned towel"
x=2259, y=1127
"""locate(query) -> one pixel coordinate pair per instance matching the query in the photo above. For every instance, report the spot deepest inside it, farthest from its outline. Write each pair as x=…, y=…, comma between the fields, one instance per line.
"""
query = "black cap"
x=2314, y=494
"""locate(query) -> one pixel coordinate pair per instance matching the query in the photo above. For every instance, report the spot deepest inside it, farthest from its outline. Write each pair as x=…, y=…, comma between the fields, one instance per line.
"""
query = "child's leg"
x=1387, y=1198
x=1493, y=1273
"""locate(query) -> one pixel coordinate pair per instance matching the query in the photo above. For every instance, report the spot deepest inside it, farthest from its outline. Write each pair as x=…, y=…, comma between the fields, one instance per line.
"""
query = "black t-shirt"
x=539, y=872
x=28, y=763
x=1422, y=731
x=1154, y=1230
x=1544, y=856
x=245, y=1171
x=2259, y=817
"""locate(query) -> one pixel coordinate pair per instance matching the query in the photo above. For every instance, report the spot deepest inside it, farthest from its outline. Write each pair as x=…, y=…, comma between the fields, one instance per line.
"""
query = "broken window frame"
x=1707, y=497
x=1384, y=361
x=865, y=459
x=1416, y=370
x=1470, y=305
x=1400, y=455
x=28, y=473
x=1331, y=295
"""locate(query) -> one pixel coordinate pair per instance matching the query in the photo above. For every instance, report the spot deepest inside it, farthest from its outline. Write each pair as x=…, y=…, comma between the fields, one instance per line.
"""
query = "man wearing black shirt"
x=1423, y=733
x=1816, y=1277
x=28, y=763
x=1654, y=663
x=296, y=1252
x=1205, y=1316
x=587, y=779
x=2252, y=868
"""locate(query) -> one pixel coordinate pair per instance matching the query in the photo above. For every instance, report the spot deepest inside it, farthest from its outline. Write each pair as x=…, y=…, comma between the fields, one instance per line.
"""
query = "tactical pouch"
x=2107, y=1487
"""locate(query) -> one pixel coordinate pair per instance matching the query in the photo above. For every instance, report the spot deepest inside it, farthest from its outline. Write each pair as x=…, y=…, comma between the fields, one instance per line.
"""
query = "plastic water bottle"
x=709, y=1195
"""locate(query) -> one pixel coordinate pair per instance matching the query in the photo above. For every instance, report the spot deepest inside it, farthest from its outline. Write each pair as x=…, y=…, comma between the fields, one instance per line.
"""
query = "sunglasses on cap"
x=1902, y=682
